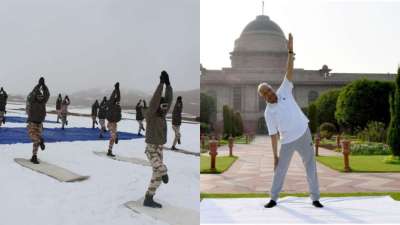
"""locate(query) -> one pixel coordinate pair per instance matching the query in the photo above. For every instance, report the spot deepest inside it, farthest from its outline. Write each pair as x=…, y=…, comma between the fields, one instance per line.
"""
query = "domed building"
x=260, y=55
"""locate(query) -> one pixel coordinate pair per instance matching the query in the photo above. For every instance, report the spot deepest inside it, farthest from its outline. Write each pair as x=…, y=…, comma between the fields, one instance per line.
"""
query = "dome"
x=261, y=35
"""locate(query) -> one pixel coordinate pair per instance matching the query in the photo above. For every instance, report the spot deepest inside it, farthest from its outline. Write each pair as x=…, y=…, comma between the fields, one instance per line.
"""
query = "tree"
x=312, y=116
x=393, y=136
x=362, y=101
x=208, y=109
x=239, y=124
x=326, y=106
x=228, y=120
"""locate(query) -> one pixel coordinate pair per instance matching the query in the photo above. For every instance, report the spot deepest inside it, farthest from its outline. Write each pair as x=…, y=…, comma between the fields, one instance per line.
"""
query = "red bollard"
x=230, y=144
x=202, y=140
x=317, y=140
x=213, y=153
x=346, y=152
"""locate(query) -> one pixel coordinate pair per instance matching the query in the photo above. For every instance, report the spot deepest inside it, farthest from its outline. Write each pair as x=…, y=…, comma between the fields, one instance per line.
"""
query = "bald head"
x=265, y=90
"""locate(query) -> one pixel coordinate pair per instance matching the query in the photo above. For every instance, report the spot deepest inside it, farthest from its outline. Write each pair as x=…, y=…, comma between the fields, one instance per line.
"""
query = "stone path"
x=253, y=172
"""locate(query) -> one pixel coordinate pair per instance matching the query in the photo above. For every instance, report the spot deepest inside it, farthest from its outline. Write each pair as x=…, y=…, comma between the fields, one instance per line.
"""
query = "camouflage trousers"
x=155, y=155
x=141, y=127
x=177, y=131
x=35, y=133
x=58, y=114
x=112, y=128
x=64, y=120
x=94, y=120
x=1, y=117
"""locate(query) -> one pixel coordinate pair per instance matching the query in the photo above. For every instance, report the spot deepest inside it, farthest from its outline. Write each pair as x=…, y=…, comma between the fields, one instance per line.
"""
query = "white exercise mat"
x=382, y=209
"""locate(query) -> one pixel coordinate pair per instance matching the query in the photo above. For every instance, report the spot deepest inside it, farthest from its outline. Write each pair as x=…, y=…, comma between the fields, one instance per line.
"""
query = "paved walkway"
x=253, y=172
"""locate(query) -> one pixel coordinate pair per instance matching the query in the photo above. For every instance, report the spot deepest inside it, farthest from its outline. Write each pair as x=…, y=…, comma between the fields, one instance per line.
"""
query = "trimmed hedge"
x=362, y=101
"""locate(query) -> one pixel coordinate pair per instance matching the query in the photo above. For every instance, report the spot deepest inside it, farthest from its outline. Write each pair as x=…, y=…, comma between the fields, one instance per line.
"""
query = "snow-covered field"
x=31, y=198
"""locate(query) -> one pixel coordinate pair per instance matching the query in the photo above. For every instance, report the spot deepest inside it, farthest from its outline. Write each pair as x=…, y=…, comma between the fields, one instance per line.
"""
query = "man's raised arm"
x=289, y=71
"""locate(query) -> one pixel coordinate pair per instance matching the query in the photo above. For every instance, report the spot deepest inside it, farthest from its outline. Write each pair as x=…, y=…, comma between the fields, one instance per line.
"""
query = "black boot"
x=109, y=153
x=317, y=204
x=34, y=159
x=66, y=122
x=4, y=120
x=179, y=141
x=116, y=140
x=165, y=178
x=149, y=202
x=270, y=204
x=173, y=148
x=41, y=144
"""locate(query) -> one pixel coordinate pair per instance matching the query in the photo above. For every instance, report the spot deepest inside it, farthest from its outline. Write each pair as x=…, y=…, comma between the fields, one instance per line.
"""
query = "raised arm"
x=155, y=100
x=289, y=71
x=168, y=96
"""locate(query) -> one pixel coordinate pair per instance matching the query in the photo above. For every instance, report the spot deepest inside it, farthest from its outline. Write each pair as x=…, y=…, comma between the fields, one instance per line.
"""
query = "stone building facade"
x=260, y=55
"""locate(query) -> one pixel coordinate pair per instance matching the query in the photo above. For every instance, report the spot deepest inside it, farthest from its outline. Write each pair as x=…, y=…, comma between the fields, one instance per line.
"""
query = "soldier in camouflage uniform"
x=139, y=116
x=177, y=121
x=113, y=117
x=64, y=111
x=95, y=108
x=3, y=103
x=156, y=137
x=102, y=116
x=36, y=109
x=58, y=107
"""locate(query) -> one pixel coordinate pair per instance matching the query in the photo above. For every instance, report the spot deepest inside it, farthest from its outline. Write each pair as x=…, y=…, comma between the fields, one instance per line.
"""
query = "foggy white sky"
x=348, y=36
x=81, y=44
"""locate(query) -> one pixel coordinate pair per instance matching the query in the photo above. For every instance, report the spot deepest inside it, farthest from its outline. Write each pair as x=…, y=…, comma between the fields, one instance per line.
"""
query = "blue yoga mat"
x=14, y=135
x=18, y=119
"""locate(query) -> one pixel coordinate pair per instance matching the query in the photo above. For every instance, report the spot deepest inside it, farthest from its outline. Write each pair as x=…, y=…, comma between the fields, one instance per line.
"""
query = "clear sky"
x=348, y=36
x=83, y=44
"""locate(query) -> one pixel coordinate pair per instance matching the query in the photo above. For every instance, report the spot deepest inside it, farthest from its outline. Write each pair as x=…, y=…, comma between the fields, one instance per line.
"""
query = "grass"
x=222, y=164
x=238, y=140
x=394, y=195
x=360, y=163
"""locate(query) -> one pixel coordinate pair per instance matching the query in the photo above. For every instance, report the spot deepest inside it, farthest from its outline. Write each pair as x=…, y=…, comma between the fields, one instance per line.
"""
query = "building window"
x=312, y=96
x=237, y=98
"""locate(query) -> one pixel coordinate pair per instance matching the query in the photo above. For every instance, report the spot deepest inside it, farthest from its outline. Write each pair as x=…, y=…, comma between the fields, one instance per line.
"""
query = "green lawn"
x=222, y=163
x=360, y=163
x=394, y=195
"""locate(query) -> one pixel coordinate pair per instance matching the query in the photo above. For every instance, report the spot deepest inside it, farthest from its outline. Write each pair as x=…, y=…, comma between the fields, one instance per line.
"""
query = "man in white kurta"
x=284, y=116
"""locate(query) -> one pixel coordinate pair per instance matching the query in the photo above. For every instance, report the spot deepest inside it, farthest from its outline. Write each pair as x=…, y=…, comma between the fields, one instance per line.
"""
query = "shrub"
x=393, y=138
x=228, y=120
x=233, y=124
x=208, y=108
x=239, y=124
x=369, y=148
x=326, y=106
x=204, y=128
x=327, y=130
x=374, y=131
x=312, y=116
x=362, y=101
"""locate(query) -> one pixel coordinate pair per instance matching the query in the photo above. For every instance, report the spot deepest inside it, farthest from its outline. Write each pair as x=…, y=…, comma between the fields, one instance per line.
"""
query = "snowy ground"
x=32, y=198
x=297, y=210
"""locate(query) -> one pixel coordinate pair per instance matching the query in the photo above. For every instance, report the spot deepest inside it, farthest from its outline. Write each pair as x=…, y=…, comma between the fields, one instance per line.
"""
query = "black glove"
x=116, y=85
x=41, y=81
x=164, y=78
